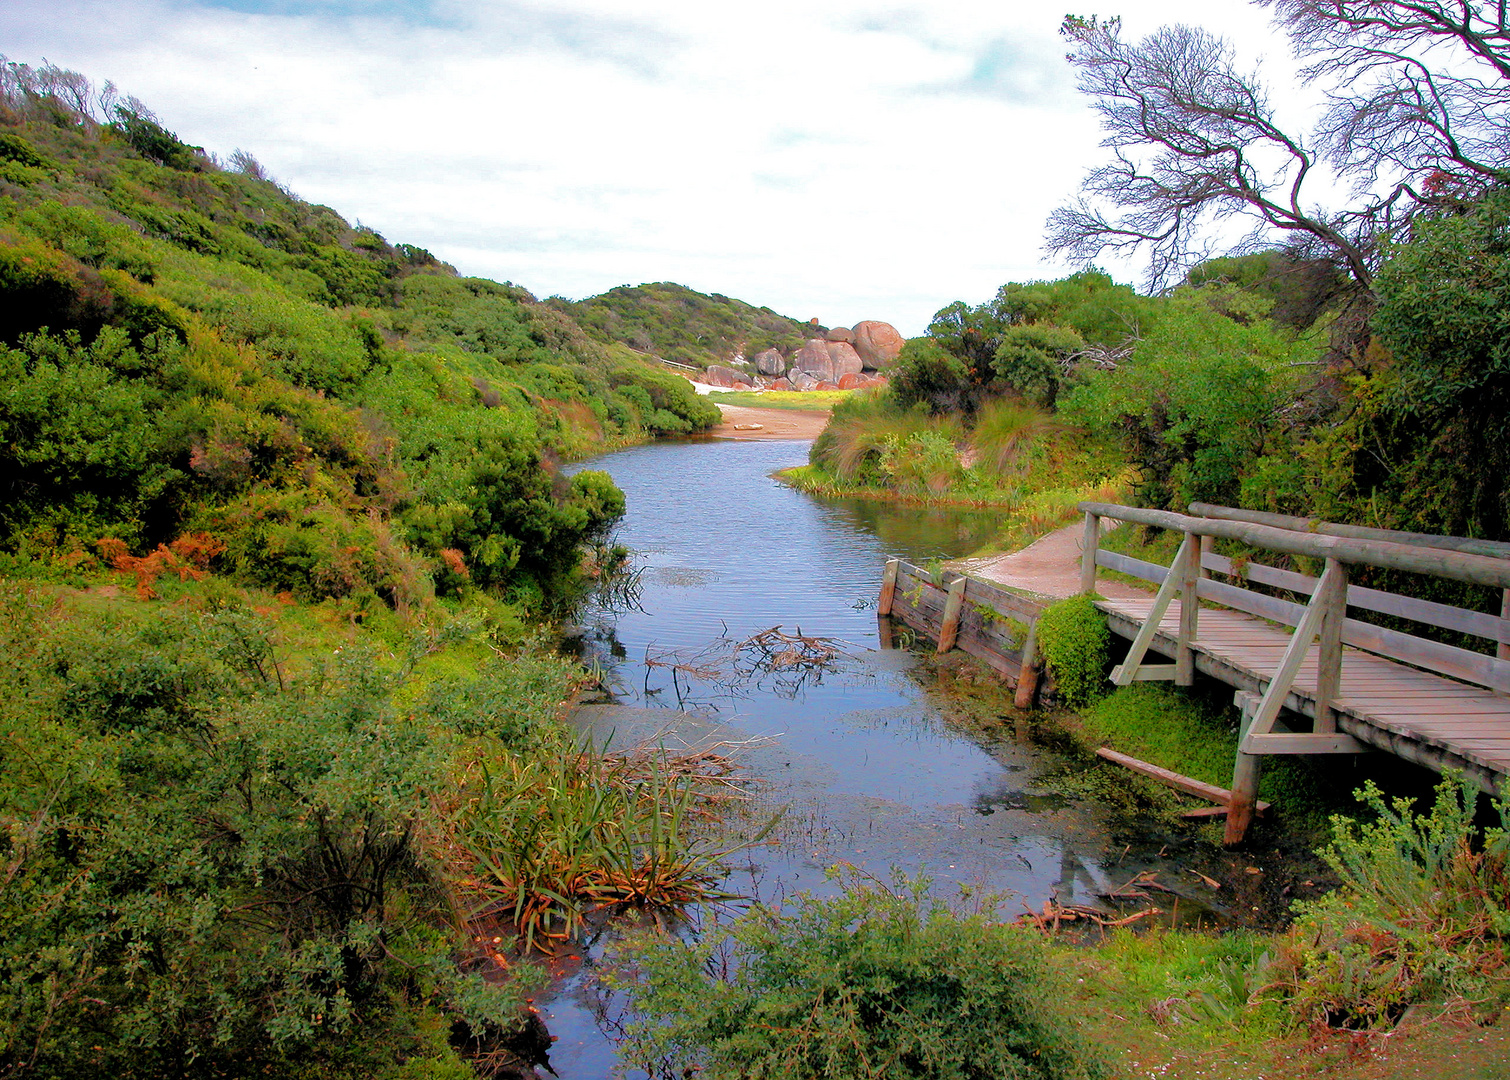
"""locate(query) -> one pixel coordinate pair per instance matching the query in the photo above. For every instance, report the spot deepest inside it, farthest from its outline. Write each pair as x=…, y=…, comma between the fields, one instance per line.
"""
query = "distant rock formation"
x=840, y=357
x=878, y=344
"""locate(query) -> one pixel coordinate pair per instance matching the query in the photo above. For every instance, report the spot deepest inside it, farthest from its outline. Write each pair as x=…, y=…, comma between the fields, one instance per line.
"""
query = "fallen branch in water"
x=1054, y=914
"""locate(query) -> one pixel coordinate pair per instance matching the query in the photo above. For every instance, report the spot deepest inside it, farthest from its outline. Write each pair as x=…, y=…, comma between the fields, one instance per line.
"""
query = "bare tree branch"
x=1194, y=143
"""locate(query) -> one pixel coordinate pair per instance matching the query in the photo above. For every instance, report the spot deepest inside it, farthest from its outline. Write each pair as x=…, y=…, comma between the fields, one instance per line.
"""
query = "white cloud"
x=820, y=158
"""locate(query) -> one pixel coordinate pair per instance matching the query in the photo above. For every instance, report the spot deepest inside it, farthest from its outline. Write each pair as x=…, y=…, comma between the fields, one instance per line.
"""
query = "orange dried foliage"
x=189, y=557
x=453, y=560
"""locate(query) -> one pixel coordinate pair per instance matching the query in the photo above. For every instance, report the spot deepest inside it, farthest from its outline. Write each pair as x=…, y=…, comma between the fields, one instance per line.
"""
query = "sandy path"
x=1050, y=566
x=743, y=422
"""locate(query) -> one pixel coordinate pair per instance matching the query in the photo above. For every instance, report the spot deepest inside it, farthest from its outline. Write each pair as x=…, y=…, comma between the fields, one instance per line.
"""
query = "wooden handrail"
x=1493, y=549
x=1458, y=565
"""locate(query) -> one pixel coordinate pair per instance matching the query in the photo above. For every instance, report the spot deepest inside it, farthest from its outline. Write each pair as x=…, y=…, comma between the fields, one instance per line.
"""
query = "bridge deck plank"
x=1462, y=720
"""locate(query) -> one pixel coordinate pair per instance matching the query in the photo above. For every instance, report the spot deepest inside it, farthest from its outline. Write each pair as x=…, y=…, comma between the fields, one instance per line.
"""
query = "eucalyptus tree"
x=1417, y=97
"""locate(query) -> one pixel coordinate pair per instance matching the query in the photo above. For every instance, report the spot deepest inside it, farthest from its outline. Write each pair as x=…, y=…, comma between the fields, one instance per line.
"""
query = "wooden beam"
x=1492, y=548
x=1147, y=673
x=1090, y=540
x=1127, y=672
x=888, y=586
x=950, y=630
x=1189, y=785
x=1458, y=565
x=1243, y=804
x=1333, y=602
x=1300, y=643
x=1301, y=743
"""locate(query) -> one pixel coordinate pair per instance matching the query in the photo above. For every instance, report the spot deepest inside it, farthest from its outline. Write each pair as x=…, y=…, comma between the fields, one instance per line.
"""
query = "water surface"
x=868, y=771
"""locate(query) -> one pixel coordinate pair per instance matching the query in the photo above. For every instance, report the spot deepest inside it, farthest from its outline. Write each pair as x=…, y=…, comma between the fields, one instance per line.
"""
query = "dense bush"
x=876, y=983
x=212, y=868
x=1074, y=642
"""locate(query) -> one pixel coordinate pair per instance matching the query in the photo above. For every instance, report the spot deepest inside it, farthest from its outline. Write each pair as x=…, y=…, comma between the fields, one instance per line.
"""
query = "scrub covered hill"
x=192, y=355
x=679, y=324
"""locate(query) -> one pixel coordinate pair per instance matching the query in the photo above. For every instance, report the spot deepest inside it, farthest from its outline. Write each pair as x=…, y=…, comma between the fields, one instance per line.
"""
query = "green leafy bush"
x=1074, y=640
x=875, y=983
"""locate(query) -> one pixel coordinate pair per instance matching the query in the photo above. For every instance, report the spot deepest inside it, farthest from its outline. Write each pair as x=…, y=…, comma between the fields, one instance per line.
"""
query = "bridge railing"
x=1322, y=620
x=1325, y=616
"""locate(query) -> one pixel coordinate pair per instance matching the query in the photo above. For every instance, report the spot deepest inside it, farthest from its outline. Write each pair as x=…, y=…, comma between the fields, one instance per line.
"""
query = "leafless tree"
x=1417, y=90
x=1417, y=108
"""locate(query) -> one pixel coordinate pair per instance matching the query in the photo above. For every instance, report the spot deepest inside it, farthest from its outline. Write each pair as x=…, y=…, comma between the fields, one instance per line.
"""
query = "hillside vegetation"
x=679, y=324
x=189, y=350
x=281, y=512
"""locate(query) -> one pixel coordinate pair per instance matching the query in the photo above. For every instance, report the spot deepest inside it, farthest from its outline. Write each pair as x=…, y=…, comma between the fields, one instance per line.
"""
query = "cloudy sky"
x=827, y=158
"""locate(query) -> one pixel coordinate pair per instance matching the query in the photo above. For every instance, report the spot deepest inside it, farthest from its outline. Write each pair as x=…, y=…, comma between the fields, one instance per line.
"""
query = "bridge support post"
x=1090, y=541
x=949, y=632
x=1245, y=774
x=1027, y=674
x=888, y=586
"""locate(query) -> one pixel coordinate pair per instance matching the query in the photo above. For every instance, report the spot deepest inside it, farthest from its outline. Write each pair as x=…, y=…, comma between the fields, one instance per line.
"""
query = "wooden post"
x=952, y=606
x=1089, y=543
x=888, y=586
x=1027, y=674
x=1329, y=647
x=1190, y=608
x=1208, y=544
x=1245, y=772
x=1503, y=652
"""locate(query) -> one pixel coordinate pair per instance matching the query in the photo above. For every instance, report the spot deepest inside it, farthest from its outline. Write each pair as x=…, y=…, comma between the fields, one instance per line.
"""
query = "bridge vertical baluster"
x=1329, y=646
x=1089, y=544
x=1184, y=654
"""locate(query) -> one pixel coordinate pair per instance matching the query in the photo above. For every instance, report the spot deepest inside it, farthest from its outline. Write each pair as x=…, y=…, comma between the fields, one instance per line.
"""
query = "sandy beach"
x=742, y=422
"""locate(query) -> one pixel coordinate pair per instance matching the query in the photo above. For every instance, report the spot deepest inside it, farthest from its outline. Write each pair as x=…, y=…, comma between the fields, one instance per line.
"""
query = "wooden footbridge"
x=1333, y=684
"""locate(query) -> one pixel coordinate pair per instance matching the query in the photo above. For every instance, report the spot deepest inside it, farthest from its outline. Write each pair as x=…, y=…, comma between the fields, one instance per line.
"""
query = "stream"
x=866, y=767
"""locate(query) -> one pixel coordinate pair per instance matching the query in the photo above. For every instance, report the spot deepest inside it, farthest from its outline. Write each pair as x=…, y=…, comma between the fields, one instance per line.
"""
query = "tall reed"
x=546, y=841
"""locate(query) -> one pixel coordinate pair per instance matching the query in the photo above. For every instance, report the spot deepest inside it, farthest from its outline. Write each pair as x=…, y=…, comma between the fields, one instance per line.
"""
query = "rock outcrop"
x=841, y=333
x=844, y=359
x=813, y=358
x=770, y=362
x=878, y=344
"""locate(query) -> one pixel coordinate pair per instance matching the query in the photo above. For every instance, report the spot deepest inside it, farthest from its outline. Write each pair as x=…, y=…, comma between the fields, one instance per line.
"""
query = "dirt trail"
x=743, y=422
x=1050, y=566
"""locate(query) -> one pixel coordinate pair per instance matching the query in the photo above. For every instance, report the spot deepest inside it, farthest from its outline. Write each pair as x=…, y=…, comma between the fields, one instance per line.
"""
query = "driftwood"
x=771, y=656
x=1054, y=914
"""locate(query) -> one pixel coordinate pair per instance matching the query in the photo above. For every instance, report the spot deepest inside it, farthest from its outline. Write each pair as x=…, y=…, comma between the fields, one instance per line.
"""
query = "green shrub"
x=1074, y=640
x=875, y=983
x=1422, y=914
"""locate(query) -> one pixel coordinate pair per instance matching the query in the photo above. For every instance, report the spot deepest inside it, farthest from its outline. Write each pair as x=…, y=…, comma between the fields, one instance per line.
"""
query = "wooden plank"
x=1148, y=673
x=1426, y=612
x=1138, y=568
x=1199, y=788
x=1443, y=659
